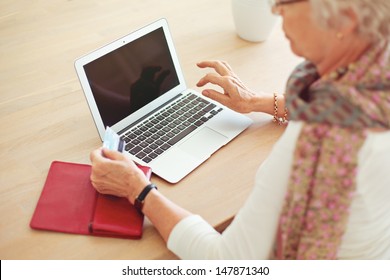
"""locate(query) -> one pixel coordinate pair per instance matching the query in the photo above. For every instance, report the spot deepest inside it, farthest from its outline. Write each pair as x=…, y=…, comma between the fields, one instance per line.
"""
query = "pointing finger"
x=220, y=67
x=214, y=79
x=216, y=96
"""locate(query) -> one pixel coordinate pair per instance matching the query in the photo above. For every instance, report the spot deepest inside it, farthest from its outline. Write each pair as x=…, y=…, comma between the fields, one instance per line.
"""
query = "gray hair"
x=373, y=15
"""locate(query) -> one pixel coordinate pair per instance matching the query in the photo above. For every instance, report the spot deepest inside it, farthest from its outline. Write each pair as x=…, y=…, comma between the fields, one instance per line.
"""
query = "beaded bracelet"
x=279, y=120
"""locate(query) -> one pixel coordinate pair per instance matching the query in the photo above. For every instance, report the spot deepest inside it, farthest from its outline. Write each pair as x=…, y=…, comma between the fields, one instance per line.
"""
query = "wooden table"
x=44, y=115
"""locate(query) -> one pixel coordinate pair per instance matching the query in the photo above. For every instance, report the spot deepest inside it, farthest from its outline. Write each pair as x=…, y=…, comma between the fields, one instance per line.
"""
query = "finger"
x=216, y=96
x=219, y=66
x=202, y=82
x=214, y=79
x=112, y=154
x=224, y=65
x=96, y=155
x=205, y=63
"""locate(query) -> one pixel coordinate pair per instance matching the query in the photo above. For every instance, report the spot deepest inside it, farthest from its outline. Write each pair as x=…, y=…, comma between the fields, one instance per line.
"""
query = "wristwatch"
x=139, y=201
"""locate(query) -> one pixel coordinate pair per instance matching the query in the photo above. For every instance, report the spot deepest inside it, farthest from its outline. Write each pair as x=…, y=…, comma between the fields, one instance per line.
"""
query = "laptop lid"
x=130, y=77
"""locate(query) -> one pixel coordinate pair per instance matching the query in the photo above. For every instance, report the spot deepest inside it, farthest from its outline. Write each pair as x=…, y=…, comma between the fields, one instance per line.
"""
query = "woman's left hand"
x=236, y=95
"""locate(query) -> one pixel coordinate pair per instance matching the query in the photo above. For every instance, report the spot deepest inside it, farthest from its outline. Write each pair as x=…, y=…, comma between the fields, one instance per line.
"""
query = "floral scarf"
x=336, y=111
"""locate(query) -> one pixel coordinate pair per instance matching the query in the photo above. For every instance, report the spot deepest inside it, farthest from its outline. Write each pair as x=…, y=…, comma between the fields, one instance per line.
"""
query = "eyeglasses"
x=276, y=5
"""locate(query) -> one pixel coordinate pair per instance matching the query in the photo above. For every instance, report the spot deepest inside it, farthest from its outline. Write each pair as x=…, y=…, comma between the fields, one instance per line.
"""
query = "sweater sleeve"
x=251, y=233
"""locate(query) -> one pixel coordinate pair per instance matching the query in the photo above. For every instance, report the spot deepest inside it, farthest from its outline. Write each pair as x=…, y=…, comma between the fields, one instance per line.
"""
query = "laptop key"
x=198, y=116
x=202, y=100
x=147, y=134
x=129, y=146
x=149, y=124
x=192, y=120
x=186, y=123
x=153, y=155
x=140, y=155
x=165, y=147
x=152, y=130
x=170, y=134
x=176, y=115
x=191, y=96
x=149, y=140
x=143, y=144
x=181, y=135
x=135, y=150
x=153, y=146
x=199, y=123
x=209, y=108
x=147, y=159
x=130, y=135
x=181, y=127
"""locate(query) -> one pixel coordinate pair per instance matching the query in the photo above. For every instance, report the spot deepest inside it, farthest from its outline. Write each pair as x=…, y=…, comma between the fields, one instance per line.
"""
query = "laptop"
x=135, y=86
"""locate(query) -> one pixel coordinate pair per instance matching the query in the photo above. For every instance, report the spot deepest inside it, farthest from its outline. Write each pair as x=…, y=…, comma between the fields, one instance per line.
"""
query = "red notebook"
x=69, y=203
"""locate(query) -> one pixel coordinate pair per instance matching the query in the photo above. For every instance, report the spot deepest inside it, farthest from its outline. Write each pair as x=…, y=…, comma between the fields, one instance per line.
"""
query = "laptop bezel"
x=96, y=54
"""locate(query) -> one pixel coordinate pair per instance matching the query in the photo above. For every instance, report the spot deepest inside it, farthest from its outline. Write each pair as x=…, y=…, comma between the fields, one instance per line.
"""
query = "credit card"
x=113, y=141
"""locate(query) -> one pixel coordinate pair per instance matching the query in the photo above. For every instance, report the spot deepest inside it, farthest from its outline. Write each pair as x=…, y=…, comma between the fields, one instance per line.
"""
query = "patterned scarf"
x=336, y=111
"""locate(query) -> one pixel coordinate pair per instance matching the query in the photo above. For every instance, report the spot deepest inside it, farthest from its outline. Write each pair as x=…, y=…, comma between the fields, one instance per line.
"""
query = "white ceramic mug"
x=253, y=19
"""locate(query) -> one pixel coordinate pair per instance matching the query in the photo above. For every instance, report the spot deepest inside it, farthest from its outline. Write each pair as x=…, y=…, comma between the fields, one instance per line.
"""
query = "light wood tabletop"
x=44, y=115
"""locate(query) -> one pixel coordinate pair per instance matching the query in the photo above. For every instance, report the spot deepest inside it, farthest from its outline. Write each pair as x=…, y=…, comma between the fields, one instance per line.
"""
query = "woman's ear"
x=349, y=22
x=345, y=22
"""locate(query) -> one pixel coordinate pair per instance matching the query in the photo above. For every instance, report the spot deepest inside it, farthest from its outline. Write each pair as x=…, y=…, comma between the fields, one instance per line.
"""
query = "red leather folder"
x=69, y=203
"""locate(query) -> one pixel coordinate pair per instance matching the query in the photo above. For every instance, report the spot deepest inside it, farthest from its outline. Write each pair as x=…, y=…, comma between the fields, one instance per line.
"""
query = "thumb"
x=112, y=154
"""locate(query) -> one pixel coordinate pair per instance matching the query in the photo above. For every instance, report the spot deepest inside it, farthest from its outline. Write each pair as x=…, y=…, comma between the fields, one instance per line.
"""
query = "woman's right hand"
x=115, y=174
x=235, y=95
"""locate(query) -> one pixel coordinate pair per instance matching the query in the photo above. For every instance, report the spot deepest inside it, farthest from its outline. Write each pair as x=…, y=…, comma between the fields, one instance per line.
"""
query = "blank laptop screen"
x=131, y=76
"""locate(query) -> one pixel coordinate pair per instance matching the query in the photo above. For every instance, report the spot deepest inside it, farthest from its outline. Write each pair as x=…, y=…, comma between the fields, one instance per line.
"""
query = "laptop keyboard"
x=153, y=137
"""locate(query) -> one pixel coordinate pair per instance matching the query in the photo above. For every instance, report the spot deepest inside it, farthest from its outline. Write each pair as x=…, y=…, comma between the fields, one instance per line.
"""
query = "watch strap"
x=139, y=201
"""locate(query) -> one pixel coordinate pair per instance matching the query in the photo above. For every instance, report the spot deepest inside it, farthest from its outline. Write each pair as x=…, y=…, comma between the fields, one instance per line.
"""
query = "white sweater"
x=252, y=232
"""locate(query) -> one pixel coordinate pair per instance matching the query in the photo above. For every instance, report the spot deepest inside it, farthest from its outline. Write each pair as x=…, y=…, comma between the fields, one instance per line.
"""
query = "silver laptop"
x=135, y=86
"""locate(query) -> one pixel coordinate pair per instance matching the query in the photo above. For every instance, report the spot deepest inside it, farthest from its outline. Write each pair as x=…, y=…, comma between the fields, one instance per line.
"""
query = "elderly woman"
x=323, y=192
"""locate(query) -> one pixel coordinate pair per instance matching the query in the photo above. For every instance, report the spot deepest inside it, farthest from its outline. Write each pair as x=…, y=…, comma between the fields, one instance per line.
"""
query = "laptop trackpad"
x=205, y=142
